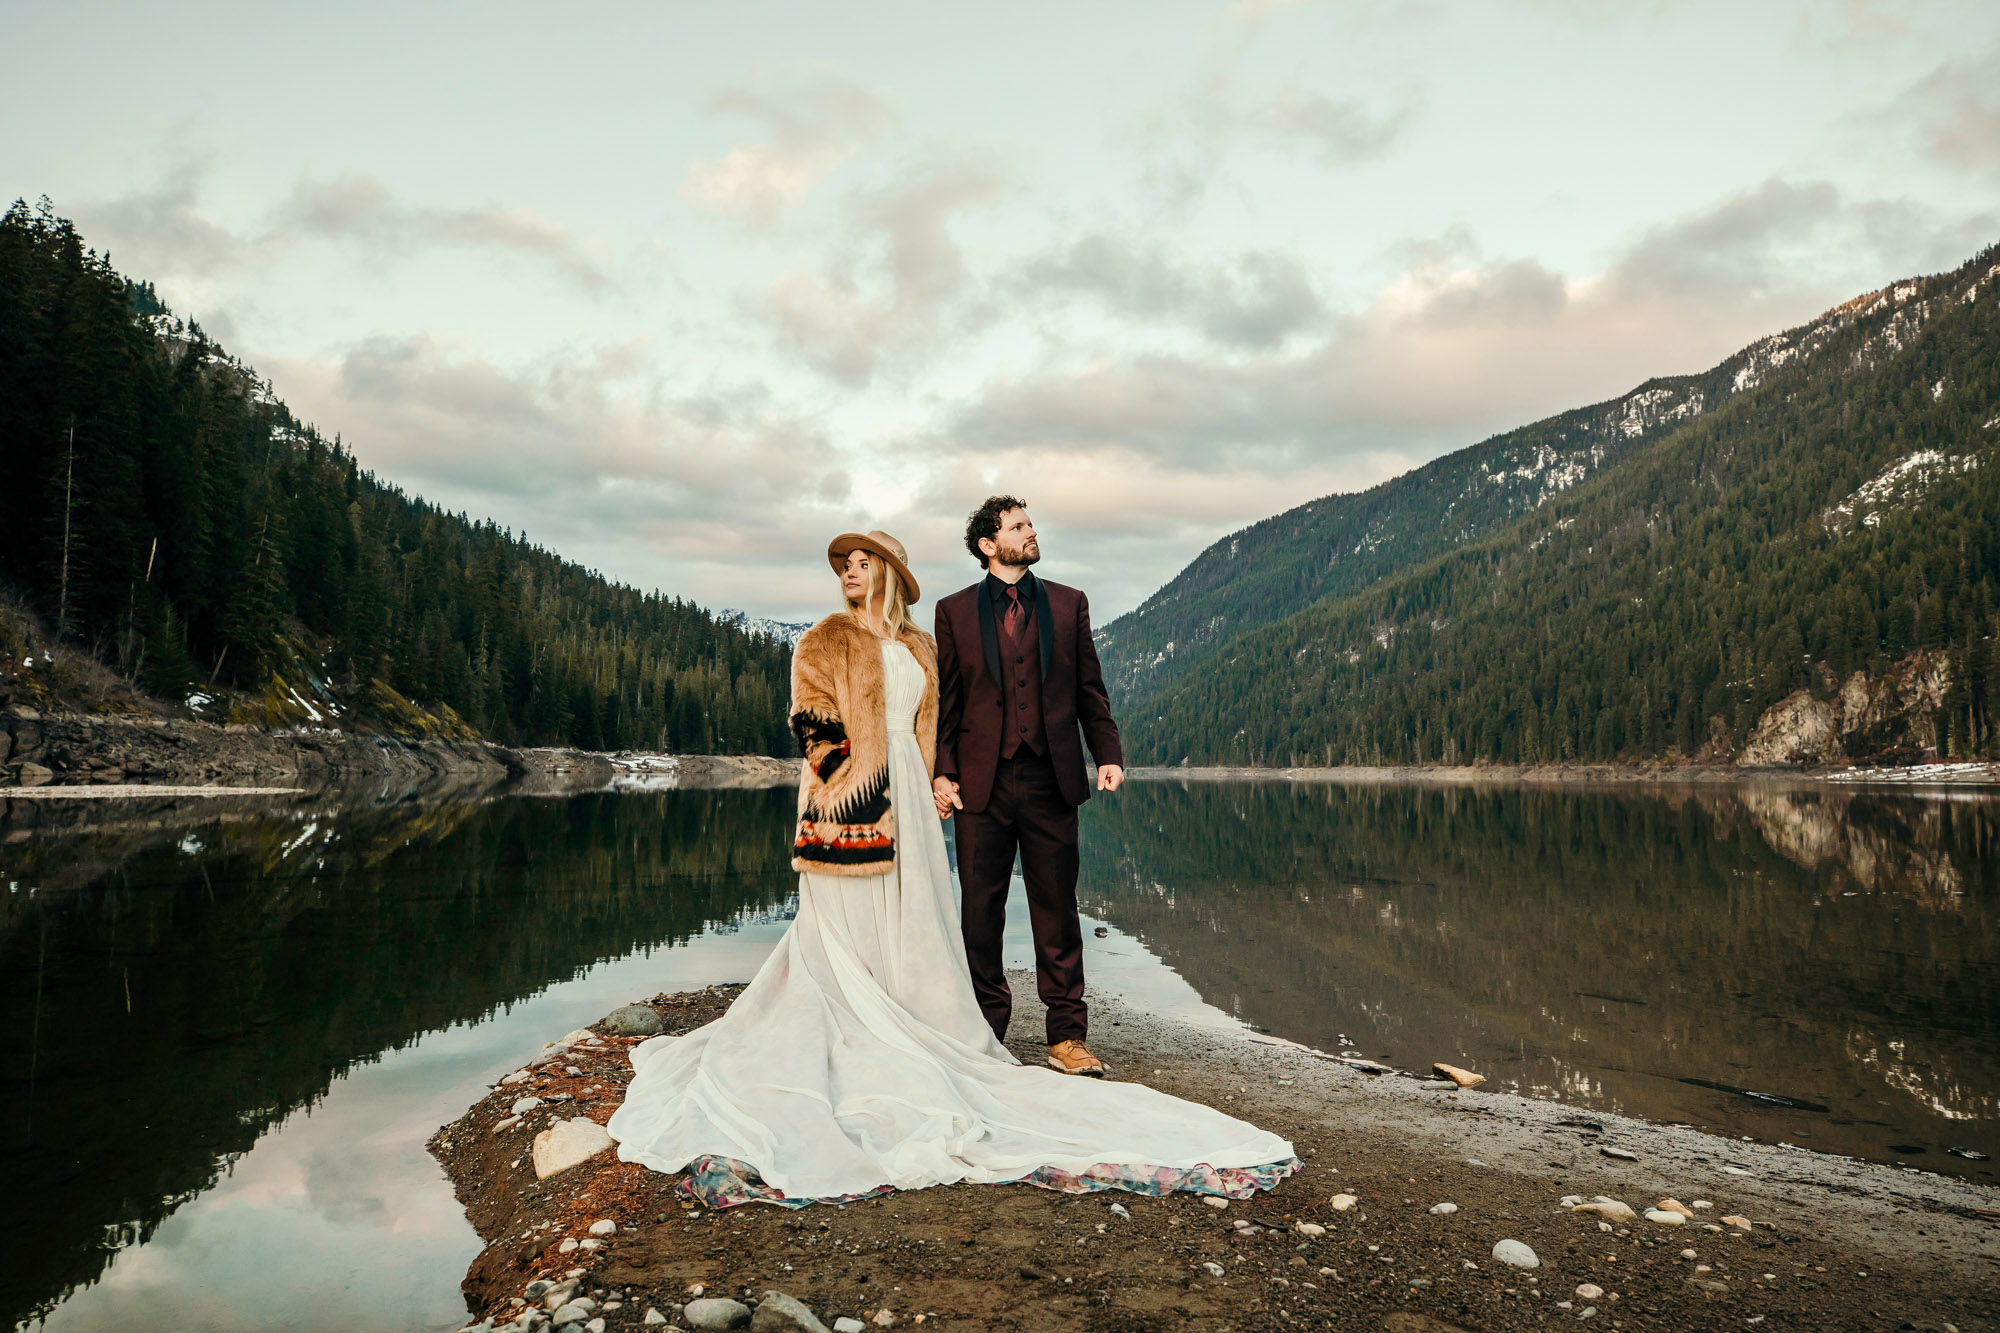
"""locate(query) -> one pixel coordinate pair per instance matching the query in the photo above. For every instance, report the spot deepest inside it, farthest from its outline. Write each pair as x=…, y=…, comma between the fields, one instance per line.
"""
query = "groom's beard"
x=1019, y=557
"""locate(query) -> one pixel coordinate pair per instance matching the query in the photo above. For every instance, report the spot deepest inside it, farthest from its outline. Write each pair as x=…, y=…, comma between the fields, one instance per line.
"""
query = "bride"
x=857, y=1060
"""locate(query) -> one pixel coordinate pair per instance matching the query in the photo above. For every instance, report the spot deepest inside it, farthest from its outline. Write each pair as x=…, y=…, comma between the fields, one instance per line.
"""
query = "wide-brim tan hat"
x=876, y=543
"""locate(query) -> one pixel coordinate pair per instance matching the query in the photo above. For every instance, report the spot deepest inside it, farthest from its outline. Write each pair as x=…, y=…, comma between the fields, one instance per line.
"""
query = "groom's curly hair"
x=985, y=522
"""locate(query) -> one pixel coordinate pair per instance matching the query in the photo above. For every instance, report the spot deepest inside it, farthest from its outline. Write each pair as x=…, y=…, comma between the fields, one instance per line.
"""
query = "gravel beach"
x=1830, y=1243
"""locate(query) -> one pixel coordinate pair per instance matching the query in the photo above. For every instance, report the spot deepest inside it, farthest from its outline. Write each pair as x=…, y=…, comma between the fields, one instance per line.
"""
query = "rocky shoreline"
x=41, y=749
x=45, y=751
x=1419, y=1199
x=1956, y=773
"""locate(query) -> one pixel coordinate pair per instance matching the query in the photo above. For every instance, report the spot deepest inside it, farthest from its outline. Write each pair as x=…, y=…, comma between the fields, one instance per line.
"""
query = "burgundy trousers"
x=1026, y=814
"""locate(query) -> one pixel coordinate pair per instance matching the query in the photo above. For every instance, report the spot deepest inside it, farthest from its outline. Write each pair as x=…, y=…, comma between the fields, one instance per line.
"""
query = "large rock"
x=779, y=1313
x=34, y=775
x=633, y=1020
x=716, y=1314
x=1798, y=729
x=567, y=1142
x=1516, y=1253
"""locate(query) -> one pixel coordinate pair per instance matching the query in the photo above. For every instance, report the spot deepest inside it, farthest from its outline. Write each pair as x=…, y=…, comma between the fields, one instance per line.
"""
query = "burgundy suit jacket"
x=1074, y=703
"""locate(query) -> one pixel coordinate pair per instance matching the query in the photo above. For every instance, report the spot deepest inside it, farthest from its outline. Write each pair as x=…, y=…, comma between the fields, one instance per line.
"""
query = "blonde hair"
x=885, y=592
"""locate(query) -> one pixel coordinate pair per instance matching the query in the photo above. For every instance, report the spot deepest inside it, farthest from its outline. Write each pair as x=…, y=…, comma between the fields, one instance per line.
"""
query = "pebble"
x=508, y=1123
x=1516, y=1253
x=525, y=1105
x=1622, y=1154
x=1611, y=1210
x=1570, y=1200
x=654, y=1317
x=716, y=1314
x=1343, y=1202
x=1735, y=1171
x=1443, y=1209
x=569, y=1244
x=604, y=1227
x=1738, y=1221
x=564, y=1144
x=594, y=1326
x=575, y=1312
x=1702, y=1203
x=1589, y=1291
x=1118, y=1210
x=883, y=1318
x=518, y=1076
x=1474, y=1161
x=1215, y=1201
x=847, y=1323
x=1666, y=1217
x=1675, y=1206
x=780, y=1313
x=633, y=1020
x=1214, y=1268
x=537, y=1289
x=1311, y=1229
x=1689, y=1254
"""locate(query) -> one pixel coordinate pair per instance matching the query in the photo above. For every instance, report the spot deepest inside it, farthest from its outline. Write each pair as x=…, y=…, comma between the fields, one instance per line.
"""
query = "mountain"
x=787, y=632
x=165, y=511
x=1811, y=522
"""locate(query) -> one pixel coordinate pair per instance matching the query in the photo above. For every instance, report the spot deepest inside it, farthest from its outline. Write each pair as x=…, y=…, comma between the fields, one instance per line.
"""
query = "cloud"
x=1456, y=346
x=1955, y=111
x=896, y=278
x=167, y=230
x=167, y=227
x=1261, y=300
x=360, y=209
x=593, y=454
x=814, y=123
x=1733, y=249
x=1342, y=131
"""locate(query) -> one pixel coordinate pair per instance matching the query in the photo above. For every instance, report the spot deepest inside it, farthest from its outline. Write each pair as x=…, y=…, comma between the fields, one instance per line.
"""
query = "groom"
x=1017, y=677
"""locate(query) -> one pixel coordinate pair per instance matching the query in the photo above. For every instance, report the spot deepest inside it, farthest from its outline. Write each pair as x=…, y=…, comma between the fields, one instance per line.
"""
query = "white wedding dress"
x=858, y=1057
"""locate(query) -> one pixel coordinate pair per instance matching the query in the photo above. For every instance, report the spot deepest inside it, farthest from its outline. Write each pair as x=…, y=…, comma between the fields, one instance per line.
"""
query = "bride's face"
x=854, y=578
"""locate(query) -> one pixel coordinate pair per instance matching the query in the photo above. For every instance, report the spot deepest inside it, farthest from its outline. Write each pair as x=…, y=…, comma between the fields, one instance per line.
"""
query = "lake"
x=231, y=1026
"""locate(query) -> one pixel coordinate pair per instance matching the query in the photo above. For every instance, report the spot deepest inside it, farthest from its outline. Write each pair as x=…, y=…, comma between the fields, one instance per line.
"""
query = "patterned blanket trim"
x=724, y=1182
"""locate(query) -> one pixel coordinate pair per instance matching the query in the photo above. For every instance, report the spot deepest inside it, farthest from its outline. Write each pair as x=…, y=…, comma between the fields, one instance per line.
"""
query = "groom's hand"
x=945, y=792
x=1109, y=776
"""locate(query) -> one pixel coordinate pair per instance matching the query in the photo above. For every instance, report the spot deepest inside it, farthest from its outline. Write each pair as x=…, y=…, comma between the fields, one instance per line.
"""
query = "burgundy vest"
x=1020, y=683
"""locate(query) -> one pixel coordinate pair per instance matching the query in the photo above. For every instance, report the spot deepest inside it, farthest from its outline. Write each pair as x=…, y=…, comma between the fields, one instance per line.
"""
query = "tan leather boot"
x=1073, y=1057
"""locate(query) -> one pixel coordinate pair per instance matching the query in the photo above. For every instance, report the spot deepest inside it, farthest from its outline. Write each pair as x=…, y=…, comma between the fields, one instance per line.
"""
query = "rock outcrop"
x=1891, y=718
x=75, y=749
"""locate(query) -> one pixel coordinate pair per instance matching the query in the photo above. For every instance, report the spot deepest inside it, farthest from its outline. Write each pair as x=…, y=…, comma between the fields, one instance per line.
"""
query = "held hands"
x=1109, y=777
x=945, y=792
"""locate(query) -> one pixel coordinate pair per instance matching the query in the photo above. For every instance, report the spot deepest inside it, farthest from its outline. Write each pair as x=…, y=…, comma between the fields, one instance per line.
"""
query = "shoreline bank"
x=1834, y=1243
x=1969, y=773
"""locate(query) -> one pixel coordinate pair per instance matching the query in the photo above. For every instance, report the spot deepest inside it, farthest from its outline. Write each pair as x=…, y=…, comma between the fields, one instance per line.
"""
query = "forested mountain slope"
x=1343, y=543
x=176, y=518
x=1805, y=570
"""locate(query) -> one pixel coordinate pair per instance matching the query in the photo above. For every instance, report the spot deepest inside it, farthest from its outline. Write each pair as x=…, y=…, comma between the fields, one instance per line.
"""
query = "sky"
x=681, y=291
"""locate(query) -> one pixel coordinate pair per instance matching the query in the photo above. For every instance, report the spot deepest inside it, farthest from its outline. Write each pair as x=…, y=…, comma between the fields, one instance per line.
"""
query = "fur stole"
x=847, y=824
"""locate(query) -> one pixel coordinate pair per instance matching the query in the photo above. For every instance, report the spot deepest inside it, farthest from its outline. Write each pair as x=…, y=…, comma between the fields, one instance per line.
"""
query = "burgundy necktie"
x=1015, y=611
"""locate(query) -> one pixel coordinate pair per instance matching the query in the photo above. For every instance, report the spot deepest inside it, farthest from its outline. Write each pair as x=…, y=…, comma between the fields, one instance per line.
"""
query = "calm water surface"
x=230, y=1029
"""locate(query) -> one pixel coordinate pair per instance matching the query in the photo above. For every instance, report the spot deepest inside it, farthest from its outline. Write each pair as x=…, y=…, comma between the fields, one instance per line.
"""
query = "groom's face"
x=1015, y=544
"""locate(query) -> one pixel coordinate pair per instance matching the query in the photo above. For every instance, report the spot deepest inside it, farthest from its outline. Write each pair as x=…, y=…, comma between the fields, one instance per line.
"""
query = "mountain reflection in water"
x=185, y=985
x=1797, y=964
x=179, y=978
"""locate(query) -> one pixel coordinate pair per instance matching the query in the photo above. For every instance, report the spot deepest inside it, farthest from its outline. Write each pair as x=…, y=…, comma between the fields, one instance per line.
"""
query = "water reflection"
x=181, y=980
x=1659, y=953
x=171, y=990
